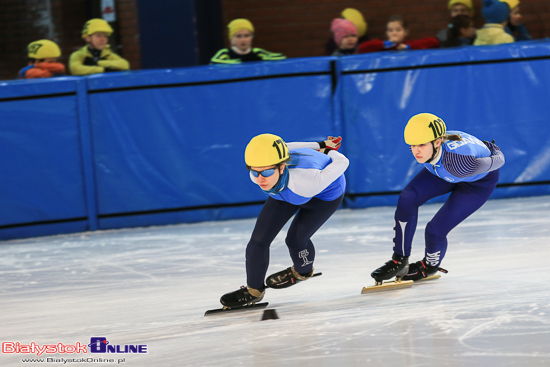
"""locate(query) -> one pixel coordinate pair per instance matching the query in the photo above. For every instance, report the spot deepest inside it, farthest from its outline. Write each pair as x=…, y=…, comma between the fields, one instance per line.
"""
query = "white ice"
x=151, y=286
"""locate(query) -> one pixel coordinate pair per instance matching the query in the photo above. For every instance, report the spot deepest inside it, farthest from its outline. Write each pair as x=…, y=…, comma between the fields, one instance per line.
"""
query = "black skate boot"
x=421, y=270
x=286, y=278
x=241, y=297
x=397, y=267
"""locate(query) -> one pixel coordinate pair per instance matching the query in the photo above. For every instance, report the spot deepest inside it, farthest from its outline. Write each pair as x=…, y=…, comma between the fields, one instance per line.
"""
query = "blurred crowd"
x=503, y=24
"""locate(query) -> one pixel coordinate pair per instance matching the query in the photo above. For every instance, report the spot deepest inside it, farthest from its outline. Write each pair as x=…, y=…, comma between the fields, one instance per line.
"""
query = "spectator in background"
x=241, y=34
x=345, y=36
x=456, y=7
x=461, y=32
x=357, y=19
x=397, y=31
x=96, y=57
x=515, y=27
x=42, y=63
x=496, y=15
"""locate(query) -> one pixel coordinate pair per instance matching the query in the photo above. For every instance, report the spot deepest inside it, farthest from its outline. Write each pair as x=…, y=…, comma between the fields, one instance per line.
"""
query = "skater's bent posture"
x=456, y=163
x=300, y=180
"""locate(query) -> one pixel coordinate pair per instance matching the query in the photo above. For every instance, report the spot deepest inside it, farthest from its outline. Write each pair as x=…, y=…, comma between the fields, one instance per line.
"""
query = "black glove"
x=492, y=146
x=89, y=62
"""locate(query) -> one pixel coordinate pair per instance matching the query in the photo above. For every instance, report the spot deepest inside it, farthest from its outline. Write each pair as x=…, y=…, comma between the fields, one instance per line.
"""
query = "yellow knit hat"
x=467, y=3
x=356, y=18
x=511, y=3
x=239, y=25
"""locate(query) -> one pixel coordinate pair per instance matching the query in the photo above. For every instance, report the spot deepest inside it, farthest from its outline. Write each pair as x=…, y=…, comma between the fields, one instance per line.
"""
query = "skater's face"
x=424, y=152
x=98, y=40
x=267, y=183
x=395, y=32
x=242, y=40
x=515, y=16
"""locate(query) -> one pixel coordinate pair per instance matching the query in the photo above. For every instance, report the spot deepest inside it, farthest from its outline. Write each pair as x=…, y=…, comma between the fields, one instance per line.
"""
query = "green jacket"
x=81, y=62
x=228, y=56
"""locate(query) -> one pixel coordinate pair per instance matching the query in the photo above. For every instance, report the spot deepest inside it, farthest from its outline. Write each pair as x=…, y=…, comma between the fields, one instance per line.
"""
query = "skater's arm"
x=300, y=145
x=332, y=142
x=467, y=165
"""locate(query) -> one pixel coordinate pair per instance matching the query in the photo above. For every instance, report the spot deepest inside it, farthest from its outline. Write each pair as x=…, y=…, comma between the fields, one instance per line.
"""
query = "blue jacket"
x=312, y=174
x=467, y=160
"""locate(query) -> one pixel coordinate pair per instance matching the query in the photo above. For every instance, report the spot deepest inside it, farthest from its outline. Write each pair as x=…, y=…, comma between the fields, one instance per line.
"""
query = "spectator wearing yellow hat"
x=96, y=57
x=43, y=55
x=456, y=7
x=354, y=16
x=496, y=14
x=241, y=34
x=515, y=26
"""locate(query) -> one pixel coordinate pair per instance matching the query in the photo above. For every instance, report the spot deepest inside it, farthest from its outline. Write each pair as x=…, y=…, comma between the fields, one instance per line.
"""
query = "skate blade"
x=433, y=277
x=387, y=286
x=237, y=308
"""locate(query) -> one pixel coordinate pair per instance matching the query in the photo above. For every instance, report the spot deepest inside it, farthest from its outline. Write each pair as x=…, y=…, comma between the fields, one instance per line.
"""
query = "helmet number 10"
x=437, y=128
x=276, y=144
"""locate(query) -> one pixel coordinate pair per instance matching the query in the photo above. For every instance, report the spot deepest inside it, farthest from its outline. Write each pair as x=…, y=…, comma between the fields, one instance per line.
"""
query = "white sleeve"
x=310, y=182
x=299, y=145
x=336, y=168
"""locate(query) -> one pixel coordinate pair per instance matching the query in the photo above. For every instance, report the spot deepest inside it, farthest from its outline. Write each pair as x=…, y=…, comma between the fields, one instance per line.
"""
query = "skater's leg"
x=309, y=219
x=465, y=199
x=423, y=187
x=271, y=220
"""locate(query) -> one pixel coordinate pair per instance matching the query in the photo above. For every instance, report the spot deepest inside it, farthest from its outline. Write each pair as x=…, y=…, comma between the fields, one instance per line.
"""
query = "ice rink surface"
x=151, y=286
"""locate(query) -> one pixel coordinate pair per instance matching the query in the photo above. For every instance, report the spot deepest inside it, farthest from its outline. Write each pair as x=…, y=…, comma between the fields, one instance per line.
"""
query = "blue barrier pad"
x=211, y=73
x=37, y=87
x=501, y=101
x=424, y=58
x=183, y=146
x=41, y=171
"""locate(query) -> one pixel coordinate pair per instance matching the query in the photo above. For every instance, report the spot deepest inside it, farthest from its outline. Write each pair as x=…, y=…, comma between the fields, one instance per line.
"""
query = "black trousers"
x=274, y=215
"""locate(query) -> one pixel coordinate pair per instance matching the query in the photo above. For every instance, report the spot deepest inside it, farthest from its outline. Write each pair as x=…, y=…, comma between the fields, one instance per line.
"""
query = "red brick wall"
x=24, y=21
x=300, y=28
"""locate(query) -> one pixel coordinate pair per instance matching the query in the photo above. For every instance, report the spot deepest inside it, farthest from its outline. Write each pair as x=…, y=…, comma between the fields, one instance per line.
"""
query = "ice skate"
x=242, y=296
x=421, y=270
x=287, y=278
x=397, y=267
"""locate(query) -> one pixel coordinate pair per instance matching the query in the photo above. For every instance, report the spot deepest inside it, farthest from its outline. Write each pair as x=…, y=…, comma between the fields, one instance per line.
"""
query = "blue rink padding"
x=486, y=91
x=41, y=181
x=167, y=146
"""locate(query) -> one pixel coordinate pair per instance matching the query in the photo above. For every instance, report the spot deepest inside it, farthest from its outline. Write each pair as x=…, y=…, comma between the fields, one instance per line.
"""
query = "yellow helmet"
x=424, y=128
x=511, y=3
x=43, y=49
x=265, y=150
x=96, y=25
x=239, y=25
x=356, y=18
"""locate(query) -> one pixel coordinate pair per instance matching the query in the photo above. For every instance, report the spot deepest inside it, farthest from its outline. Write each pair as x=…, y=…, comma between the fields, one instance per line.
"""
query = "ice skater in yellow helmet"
x=300, y=180
x=241, y=35
x=455, y=162
x=96, y=56
x=42, y=60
